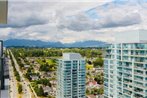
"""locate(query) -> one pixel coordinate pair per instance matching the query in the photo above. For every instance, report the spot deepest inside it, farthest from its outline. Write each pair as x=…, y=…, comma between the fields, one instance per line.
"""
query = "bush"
x=19, y=88
x=39, y=90
x=98, y=62
x=99, y=79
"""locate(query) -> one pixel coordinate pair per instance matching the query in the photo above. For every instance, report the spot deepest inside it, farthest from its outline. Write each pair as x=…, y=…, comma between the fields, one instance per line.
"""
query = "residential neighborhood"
x=41, y=73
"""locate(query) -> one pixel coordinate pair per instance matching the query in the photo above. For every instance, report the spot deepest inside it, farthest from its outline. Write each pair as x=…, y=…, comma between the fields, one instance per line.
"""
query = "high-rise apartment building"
x=3, y=20
x=4, y=73
x=1, y=66
x=125, y=66
x=71, y=76
x=3, y=11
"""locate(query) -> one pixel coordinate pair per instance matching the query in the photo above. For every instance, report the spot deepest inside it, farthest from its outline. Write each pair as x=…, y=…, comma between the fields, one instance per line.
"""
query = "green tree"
x=87, y=91
x=99, y=79
x=19, y=88
x=39, y=90
x=101, y=91
x=98, y=62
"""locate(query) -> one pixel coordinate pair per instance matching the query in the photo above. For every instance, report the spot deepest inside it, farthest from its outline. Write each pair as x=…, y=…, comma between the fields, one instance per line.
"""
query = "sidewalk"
x=5, y=93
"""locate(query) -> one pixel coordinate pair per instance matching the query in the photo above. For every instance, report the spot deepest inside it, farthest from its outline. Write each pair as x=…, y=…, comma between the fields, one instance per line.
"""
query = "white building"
x=71, y=76
x=125, y=66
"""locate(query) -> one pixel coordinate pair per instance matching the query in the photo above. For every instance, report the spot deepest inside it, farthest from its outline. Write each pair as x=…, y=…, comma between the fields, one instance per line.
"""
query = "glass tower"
x=1, y=66
x=71, y=76
x=125, y=69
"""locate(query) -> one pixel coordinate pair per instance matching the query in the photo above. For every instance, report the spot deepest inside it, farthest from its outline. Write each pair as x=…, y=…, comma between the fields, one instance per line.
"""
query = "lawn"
x=89, y=66
x=50, y=61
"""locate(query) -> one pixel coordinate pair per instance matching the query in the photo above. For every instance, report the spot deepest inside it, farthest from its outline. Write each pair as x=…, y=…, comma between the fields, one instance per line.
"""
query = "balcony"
x=138, y=79
x=137, y=96
x=127, y=66
x=127, y=82
x=138, y=74
x=128, y=72
x=139, y=85
x=128, y=77
x=128, y=93
x=138, y=68
x=128, y=88
x=139, y=92
x=140, y=60
x=119, y=89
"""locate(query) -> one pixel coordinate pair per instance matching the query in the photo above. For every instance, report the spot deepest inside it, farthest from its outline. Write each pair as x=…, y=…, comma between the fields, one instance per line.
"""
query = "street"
x=13, y=82
x=25, y=84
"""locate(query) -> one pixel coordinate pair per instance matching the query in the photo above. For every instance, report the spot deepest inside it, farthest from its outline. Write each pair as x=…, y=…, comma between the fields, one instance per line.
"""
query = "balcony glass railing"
x=139, y=68
x=127, y=66
x=138, y=79
x=138, y=72
x=137, y=96
x=138, y=90
x=139, y=84
x=127, y=71
x=126, y=91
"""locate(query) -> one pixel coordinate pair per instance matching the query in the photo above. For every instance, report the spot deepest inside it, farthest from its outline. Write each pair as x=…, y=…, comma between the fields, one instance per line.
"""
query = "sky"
x=73, y=20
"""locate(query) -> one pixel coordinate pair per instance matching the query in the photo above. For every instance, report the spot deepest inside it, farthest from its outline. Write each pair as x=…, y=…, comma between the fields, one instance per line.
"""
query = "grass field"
x=89, y=67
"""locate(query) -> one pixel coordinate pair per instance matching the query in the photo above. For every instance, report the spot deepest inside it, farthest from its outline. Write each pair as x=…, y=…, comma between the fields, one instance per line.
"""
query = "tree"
x=44, y=67
x=98, y=62
x=51, y=96
x=18, y=78
x=45, y=82
x=87, y=91
x=89, y=62
x=99, y=79
x=19, y=88
x=16, y=75
x=101, y=91
x=39, y=90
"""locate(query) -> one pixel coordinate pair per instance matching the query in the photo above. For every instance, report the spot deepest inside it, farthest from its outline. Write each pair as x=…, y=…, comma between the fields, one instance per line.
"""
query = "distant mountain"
x=31, y=43
x=38, y=43
x=90, y=43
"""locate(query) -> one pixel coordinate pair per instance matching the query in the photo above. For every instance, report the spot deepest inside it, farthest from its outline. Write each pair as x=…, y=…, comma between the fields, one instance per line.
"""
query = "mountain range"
x=39, y=43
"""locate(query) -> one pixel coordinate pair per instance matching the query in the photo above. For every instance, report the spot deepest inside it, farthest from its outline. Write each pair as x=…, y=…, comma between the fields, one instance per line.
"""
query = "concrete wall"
x=3, y=11
x=136, y=36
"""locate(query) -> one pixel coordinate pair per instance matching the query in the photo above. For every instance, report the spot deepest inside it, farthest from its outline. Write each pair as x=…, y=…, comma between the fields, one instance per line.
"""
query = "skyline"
x=70, y=21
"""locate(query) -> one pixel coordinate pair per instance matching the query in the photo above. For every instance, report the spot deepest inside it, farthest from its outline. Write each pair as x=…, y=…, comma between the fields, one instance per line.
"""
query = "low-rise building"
x=34, y=77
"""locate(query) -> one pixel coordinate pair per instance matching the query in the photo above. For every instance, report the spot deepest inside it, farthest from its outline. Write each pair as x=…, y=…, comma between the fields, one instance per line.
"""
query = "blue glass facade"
x=125, y=71
x=71, y=79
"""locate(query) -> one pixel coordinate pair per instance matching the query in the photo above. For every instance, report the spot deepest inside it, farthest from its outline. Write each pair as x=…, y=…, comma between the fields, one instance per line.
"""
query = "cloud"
x=27, y=13
x=109, y=17
x=72, y=20
x=4, y=33
x=23, y=14
x=124, y=20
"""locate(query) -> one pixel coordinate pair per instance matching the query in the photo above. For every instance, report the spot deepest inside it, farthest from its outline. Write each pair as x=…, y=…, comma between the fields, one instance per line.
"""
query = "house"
x=34, y=77
x=91, y=96
x=92, y=84
x=47, y=89
x=26, y=66
x=99, y=96
x=95, y=96
x=53, y=82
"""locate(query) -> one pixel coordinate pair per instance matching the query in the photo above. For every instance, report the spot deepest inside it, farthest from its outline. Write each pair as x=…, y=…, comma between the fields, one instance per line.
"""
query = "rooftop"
x=134, y=36
x=71, y=56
